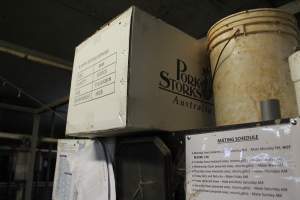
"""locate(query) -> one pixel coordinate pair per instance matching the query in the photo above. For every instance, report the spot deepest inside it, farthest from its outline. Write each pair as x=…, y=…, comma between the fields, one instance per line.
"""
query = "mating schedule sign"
x=244, y=164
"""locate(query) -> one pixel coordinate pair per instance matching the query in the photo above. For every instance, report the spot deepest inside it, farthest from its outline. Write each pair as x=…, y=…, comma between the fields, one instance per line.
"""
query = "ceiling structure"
x=56, y=27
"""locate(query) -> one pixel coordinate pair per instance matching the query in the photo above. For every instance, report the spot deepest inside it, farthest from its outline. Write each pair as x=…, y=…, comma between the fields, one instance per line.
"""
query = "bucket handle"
x=217, y=66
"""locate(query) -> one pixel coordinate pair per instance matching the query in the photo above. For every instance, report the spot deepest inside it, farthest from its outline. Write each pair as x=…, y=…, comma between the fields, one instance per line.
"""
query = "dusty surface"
x=253, y=68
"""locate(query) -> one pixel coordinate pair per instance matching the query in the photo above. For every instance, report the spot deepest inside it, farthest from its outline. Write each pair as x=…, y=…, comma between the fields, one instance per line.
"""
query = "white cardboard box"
x=139, y=73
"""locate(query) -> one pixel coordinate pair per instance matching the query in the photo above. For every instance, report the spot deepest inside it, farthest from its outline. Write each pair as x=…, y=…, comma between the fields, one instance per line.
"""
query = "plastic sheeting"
x=84, y=170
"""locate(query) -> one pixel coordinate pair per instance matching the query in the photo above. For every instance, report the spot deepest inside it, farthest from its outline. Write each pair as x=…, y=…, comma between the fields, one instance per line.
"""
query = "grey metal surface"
x=270, y=109
x=143, y=177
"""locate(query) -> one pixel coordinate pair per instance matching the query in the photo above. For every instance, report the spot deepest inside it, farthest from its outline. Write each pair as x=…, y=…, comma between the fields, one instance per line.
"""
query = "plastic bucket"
x=249, y=54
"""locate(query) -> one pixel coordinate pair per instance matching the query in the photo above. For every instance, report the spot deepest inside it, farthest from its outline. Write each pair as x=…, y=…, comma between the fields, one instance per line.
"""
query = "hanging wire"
x=217, y=66
x=22, y=91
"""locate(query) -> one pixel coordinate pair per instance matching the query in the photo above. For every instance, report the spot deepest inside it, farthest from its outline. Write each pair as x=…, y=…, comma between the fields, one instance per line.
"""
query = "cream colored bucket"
x=294, y=61
x=249, y=60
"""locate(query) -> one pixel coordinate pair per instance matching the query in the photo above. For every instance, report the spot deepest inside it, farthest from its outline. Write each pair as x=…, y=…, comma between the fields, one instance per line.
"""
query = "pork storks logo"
x=187, y=85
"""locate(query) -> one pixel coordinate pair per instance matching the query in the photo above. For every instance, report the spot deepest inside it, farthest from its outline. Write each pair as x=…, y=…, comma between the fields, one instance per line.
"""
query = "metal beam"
x=48, y=140
x=18, y=136
x=34, y=56
x=31, y=161
x=17, y=108
x=22, y=149
x=30, y=110
x=292, y=7
x=13, y=136
x=53, y=105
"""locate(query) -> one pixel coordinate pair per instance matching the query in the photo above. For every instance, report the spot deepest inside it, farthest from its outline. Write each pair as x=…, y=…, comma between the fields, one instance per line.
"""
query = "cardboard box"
x=139, y=73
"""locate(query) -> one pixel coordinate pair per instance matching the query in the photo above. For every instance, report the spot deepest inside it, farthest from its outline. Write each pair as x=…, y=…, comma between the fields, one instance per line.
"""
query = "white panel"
x=249, y=164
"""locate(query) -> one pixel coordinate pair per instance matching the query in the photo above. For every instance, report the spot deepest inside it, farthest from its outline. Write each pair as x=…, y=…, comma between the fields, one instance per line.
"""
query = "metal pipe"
x=13, y=136
x=5, y=106
x=17, y=136
x=53, y=105
x=34, y=56
x=48, y=140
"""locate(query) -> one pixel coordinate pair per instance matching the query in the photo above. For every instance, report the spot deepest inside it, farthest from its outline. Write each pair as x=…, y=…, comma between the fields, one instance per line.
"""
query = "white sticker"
x=98, y=97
